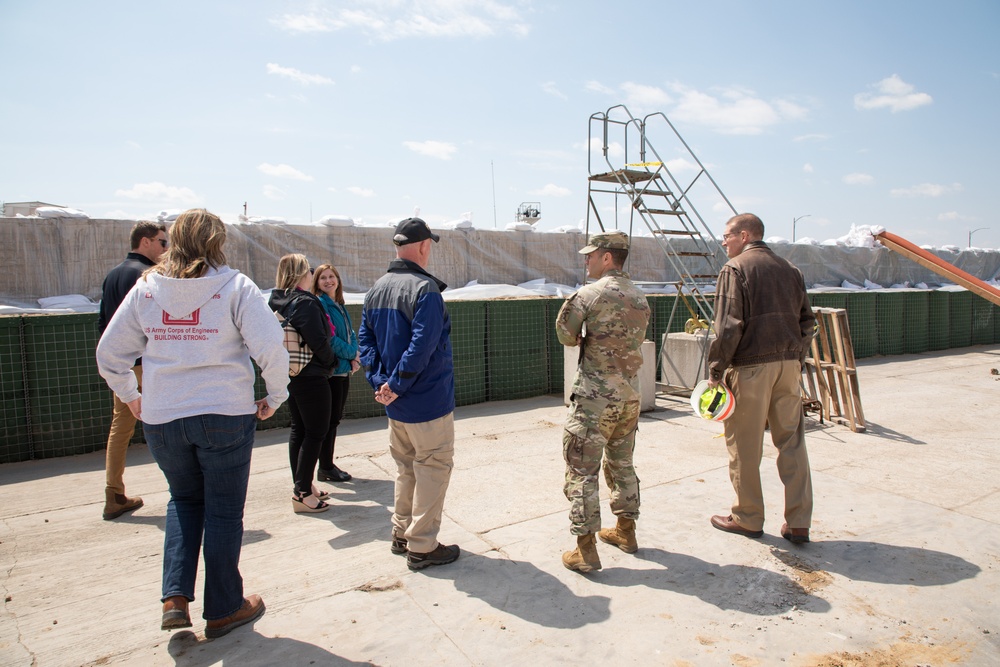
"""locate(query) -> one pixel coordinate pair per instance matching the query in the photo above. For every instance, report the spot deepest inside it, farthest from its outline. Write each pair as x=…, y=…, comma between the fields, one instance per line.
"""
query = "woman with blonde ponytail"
x=197, y=324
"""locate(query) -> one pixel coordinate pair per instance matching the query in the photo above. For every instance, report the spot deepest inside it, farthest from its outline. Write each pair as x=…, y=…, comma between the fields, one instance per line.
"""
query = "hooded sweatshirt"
x=196, y=337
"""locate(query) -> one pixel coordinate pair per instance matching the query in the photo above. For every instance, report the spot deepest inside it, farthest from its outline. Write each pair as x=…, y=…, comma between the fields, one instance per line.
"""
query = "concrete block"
x=684, y=358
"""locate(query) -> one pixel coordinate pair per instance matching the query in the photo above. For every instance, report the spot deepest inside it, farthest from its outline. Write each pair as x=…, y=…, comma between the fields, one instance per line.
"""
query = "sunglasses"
x=163, y=242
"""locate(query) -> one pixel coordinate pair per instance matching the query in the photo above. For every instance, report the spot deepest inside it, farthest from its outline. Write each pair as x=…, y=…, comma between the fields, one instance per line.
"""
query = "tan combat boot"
x=584, y=558
x=621, y=536
x=116, y=504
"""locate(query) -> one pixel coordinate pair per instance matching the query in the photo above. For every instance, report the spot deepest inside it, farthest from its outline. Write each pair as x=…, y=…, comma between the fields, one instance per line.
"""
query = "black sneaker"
x=442, y=555
x=398, y=545
x=335, y=474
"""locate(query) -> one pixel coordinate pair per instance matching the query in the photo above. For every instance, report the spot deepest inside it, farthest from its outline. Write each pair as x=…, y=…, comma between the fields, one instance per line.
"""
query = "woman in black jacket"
x=309, y=392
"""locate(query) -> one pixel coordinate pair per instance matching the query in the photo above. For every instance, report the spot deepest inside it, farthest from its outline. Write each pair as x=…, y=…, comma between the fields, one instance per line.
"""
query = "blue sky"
x=855, y=112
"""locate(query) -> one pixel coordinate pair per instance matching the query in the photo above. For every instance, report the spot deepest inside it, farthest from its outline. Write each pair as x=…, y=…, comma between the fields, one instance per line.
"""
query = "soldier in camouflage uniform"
x=608, y=319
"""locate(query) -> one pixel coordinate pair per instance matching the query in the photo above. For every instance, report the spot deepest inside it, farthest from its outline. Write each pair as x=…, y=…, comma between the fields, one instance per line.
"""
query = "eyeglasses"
x=729, y=234
x=163, y=242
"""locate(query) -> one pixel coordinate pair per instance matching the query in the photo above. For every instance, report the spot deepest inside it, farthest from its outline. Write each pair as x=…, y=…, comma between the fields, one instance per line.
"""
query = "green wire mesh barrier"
x=54, y=403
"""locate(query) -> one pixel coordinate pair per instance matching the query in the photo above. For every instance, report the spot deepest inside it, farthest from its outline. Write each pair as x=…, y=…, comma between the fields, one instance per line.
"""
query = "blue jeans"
x=206, y=460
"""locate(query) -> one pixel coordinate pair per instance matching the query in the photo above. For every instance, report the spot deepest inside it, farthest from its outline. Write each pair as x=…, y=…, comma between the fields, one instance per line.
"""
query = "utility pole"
x=795, y=220
x=973, y=231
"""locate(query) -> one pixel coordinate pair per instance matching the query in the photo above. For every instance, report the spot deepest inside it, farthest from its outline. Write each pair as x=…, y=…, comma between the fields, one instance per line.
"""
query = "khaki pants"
x=423, y=453
x=768, y=392
x=122, y=430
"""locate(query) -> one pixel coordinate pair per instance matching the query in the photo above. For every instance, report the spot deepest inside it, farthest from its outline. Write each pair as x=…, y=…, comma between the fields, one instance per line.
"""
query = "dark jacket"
x=304, y=311
x=117, y=284
x=762, y=311
x=405, y=340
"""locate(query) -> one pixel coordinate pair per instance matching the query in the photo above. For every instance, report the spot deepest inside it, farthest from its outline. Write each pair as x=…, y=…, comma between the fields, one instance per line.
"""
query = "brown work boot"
x=584, y=558
x=252, y=609
x=621, y=536
x=175, y=613
x=116, y=504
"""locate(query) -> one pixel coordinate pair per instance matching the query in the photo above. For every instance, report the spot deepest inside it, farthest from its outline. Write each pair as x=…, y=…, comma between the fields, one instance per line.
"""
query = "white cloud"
x=645, y=98
x=298, y=76
x=615, y=149
x=954, y=216
x=550, y=88
x=680, y=164
x=733, y=110
x=438, y=149
x=812, y=137
x=598, y=87
x=361, y=192
x=859, y=179
x=273, y=192
x=159, y=192
x=926, y=190
x=807, y=168
x=355, y=69
x=551, y=190
x=892, y=93
x=391, y=19
x=283, y=171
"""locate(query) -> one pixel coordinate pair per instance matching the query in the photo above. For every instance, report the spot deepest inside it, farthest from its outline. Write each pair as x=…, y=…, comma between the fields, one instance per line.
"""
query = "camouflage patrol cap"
x=606, y=241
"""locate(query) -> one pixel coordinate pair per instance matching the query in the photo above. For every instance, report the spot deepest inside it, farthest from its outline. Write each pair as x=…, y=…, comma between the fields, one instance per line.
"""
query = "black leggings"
x=339, y=386
x=309, y=401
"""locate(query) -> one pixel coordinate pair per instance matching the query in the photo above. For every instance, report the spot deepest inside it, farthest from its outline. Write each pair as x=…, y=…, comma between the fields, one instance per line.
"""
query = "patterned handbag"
x=299, y=354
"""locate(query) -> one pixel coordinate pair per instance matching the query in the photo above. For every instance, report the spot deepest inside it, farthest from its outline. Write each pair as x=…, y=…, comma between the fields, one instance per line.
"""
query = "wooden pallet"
x=831, y=376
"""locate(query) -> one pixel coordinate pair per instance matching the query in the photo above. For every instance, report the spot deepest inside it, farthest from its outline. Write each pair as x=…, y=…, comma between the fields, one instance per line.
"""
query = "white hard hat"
x=716, y=403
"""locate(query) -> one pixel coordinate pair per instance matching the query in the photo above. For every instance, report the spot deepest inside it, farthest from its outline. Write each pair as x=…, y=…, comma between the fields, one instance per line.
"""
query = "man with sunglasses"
x=764, y=325
x=148, y=241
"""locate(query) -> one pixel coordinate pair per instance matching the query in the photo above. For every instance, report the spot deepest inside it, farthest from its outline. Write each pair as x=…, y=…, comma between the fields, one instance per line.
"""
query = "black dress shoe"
x=333, y=475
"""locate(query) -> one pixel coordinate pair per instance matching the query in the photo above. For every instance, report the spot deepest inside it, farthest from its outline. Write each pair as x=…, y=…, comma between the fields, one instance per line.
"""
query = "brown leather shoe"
x=795, y=535
x=252, y=609
x=175, y=613
x=116, y=504
x=727, y=524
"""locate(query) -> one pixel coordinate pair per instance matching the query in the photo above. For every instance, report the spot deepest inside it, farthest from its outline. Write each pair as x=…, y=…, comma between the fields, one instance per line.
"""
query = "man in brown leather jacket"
x=763, y=326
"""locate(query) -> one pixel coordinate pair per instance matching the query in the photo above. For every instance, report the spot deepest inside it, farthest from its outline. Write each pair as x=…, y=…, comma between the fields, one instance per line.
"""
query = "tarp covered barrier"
x=891, y=324
x=982, y=321
x=960, y=317
x=468, y=345
x=50, y=257
x=517, y=348
x=861, y=317
x=14, y=441
x=916, y=325
x=938, y=320
x=70, y=403
x=556, y=359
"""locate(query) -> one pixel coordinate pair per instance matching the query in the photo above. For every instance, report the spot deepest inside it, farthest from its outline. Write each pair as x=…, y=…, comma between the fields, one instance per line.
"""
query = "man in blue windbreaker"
x=406, y=348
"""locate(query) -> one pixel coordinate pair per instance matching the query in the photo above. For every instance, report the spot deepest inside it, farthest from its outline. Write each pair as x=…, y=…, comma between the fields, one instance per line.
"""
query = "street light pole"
x=973, y=232
x=795, y=220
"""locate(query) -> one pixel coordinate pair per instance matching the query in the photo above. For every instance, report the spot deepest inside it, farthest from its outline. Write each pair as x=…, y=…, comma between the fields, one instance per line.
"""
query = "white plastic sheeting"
x=45, y=257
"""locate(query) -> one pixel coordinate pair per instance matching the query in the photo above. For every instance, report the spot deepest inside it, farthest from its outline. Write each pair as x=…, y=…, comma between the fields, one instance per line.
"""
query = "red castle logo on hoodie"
x=191, y=320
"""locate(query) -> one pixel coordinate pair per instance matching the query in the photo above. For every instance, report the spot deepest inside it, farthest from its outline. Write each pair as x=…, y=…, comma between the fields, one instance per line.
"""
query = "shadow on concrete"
x=743, y=588
x=878, y=563
x=360, y=523
x=131, y=518
x=249, y=648
x=889, y=434
x=523, y=590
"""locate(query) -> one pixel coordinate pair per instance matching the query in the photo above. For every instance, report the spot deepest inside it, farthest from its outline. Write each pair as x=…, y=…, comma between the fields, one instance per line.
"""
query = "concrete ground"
x=903, y=569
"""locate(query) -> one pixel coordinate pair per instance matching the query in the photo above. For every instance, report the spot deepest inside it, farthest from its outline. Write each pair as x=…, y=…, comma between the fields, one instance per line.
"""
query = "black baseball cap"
x=413, y=230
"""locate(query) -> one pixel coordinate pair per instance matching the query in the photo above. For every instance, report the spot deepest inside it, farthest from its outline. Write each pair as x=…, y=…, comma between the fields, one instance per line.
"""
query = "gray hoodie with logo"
x=196, y=337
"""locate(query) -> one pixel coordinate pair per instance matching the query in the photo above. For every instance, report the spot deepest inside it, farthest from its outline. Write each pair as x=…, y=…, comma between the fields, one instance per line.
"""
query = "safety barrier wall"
x=54, y=403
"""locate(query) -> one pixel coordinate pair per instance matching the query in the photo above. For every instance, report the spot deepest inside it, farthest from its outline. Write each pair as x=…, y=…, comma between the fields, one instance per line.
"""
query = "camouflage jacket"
x=611, y=316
